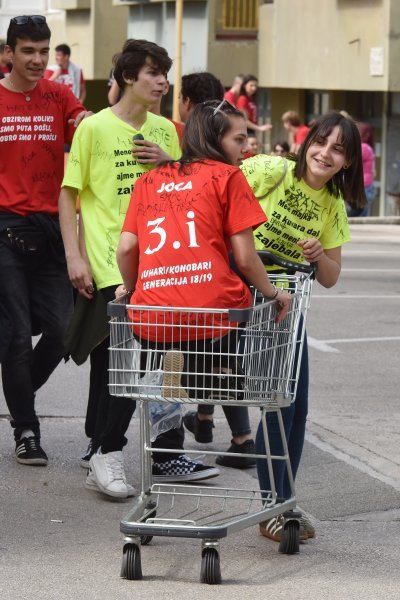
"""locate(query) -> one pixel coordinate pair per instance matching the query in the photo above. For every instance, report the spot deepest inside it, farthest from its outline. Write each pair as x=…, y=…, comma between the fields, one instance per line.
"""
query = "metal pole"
x=178, y=58
x=384, y=141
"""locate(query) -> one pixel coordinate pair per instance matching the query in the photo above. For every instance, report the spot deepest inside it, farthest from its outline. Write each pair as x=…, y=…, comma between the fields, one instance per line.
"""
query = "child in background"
x=280, y=149
x=253, y=146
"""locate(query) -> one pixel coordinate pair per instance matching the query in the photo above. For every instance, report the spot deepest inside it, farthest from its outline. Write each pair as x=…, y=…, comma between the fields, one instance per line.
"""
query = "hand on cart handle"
x=122, y=291
x=268, y=258
x=283, y=301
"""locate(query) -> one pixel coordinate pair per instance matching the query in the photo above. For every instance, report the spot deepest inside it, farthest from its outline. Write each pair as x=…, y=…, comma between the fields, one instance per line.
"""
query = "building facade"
x=310, y=56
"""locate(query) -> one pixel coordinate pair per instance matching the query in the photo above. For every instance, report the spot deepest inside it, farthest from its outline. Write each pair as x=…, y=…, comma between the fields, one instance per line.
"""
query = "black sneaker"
x=238, y=462
x=182, y=468
x=29, y=452
x=202, y=430
x=87, y=456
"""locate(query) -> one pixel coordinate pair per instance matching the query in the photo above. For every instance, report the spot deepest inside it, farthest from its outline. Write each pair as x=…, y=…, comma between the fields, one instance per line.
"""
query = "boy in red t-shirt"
x=36, y=296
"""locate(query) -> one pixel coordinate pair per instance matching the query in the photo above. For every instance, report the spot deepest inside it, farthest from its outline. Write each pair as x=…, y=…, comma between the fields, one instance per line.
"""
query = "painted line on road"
x=358, y=296
x=325, y=345
x=370, y=252
x=320, y=345
x=361, y=270
x=351, y=460
x=356, y=340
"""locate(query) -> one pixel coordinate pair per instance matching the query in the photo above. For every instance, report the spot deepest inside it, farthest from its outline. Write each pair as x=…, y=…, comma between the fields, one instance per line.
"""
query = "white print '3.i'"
x=160, y=231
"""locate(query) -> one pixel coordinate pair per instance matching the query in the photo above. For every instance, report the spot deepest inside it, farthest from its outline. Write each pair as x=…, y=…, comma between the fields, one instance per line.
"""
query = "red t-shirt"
x=231, y=97
x=301, y=134
x=32, y=136
x=183, y=223
x=180, y=129
x=250, y=108
x=65, y=77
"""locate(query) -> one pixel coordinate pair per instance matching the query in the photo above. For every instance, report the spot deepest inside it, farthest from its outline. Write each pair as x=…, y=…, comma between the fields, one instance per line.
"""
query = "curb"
x=374, y=220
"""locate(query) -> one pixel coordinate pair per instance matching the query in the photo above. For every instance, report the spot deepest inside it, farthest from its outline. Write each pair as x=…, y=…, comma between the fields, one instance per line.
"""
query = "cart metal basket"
x=214, y=356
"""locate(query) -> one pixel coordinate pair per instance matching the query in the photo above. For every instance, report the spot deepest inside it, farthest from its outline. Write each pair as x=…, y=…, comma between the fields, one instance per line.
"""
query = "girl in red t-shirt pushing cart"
x=185, y=318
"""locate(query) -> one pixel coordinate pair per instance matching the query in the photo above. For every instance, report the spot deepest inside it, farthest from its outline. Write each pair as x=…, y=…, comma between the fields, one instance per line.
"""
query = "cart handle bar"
x=269, y=259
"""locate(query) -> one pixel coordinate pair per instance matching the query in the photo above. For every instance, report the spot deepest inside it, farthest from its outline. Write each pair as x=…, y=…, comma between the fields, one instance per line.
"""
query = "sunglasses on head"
x=24, y=19
x=219, y=107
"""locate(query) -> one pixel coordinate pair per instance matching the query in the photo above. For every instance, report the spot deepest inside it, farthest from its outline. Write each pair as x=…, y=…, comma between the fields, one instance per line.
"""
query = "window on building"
x=239, y=15
x=317, y=103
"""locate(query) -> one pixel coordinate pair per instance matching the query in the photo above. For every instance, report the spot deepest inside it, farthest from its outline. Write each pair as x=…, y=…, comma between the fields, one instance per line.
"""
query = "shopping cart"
x=256, y=365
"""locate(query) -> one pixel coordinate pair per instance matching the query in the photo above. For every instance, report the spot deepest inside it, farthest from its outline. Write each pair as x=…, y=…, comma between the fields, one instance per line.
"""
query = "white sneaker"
x=91, y=484
x=109, y=475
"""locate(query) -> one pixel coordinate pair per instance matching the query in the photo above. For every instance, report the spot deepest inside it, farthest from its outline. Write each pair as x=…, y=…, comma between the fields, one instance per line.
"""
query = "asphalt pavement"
x=59, y=540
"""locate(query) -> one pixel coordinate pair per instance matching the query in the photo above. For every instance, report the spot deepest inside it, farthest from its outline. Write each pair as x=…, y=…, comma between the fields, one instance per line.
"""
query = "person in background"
x=280, y=148
x=247, y=104
x=368, y=158
x=233, y=93
x=114, y=93
x=292, y=124
x=5, y=65
x=197, y=88
x=35, y=293
x=253, y=146
x=307, y=221
x=67, y=73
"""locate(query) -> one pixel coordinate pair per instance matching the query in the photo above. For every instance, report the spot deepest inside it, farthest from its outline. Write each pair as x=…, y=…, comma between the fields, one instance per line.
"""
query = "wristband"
x=275, y=293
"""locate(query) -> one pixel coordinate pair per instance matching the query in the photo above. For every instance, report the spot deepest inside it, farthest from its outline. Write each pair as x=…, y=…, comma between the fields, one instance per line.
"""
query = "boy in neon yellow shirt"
x=103, y=167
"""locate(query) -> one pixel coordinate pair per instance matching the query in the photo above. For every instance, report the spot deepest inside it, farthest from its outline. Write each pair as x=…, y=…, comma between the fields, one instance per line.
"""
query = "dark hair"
x=64, y=48
x=284, y=145
x=129, y=62
x=207, y=124
x=31, y=30
x=199, y=87
x=349, y=182
x=245, y=81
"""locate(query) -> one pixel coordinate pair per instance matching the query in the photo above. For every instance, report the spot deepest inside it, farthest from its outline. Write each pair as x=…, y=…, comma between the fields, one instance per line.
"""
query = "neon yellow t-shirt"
x=295, y=211
x=102, y=168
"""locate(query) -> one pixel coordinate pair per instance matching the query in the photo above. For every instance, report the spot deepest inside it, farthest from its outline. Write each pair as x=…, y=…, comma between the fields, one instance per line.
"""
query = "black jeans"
x=237, y=416
x=107, y=417
x=36, y=295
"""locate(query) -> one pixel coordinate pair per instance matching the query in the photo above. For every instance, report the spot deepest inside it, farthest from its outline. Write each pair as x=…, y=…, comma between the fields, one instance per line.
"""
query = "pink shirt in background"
x=368, y=159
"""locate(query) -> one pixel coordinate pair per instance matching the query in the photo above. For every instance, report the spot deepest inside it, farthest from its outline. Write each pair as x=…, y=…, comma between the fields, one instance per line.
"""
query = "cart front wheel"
x=210, y=567
x=290, y=543
x=131, y=563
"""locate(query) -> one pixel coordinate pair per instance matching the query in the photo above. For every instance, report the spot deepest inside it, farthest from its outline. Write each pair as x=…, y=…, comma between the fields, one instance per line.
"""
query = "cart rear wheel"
x=131, y=563
x=290, y=542
x=210, y=567
x=146, y=539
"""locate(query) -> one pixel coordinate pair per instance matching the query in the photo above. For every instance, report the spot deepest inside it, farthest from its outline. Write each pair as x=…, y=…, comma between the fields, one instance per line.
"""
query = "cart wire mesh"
x=218, y=356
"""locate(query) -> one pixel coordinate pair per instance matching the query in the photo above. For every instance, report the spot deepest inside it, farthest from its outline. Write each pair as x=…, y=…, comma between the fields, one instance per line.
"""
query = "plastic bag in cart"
x=163, y=416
